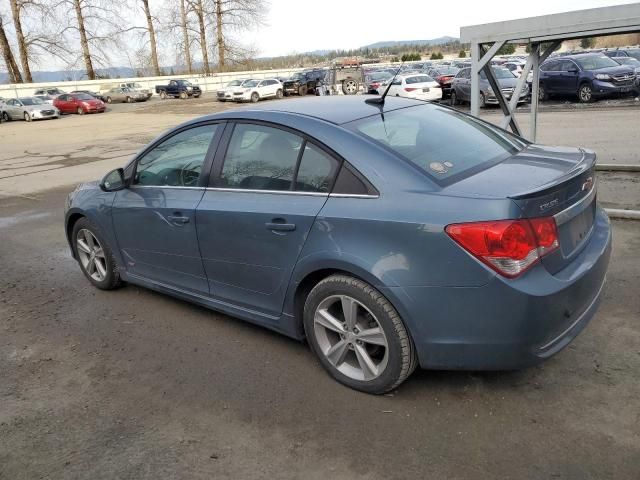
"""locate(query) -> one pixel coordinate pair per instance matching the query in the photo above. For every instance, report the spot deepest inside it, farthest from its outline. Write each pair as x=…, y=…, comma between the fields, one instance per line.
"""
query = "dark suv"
x=304, y=82
x=623, y=52
x=588, y=76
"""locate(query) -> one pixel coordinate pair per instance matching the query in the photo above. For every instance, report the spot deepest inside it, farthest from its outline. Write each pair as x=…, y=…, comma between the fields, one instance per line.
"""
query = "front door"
x=13, y=108
x=154, y=219
x=253, y=223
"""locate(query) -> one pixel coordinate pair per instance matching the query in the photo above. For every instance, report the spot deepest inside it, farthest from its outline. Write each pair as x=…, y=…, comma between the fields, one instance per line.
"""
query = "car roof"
x=337, y=109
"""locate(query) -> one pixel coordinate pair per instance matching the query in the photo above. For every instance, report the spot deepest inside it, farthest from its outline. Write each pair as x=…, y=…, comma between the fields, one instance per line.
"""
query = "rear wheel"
x=109, y=100
x=543, y=95
x=94, y=256
x=302, y=91
x=358, y=335
x=183, y=95
x=27, y=117
x=585, y=93
x=255, y=97
x=6, y=117
x=483, y=100
x=279, y=93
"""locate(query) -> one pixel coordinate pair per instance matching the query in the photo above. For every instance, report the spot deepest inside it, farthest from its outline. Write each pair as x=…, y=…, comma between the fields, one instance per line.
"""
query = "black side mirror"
x=113, y=181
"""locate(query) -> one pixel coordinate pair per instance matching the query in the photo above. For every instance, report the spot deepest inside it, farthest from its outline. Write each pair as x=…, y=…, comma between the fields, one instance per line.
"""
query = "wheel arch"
x=72, y=219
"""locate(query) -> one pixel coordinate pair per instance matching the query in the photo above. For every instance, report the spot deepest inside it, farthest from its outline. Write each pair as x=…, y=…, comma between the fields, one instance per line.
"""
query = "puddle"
x=22, y=217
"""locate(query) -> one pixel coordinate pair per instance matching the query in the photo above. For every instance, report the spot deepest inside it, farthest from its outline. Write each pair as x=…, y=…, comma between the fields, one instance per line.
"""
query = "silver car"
x=124, y=95
x=28, y=108
x=461, y=87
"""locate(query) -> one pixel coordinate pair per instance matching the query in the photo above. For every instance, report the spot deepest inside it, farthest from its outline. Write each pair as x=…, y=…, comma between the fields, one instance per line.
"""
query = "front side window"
x=445, y=144
x=596, y=62
x=176, y=162
x=260, y=158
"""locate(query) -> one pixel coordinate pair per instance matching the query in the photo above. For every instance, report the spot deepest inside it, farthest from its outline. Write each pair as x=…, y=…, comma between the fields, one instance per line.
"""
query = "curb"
x=618, y=213
x=612, y=167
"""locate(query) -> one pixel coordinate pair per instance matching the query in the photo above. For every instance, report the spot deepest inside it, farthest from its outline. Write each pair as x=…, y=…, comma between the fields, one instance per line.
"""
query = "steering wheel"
x=189, y=176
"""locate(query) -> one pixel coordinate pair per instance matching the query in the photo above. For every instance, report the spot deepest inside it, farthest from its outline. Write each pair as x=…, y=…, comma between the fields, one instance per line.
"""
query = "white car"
x=514, y=67
x=419, y=86
x=255, y=90
x=226, y=93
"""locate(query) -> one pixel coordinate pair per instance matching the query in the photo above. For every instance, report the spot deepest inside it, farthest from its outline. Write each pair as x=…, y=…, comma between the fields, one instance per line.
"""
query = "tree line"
x=84, y=32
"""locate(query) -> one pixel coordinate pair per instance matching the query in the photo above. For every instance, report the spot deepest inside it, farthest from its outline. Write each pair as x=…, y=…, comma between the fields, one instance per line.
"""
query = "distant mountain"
x=396, y=43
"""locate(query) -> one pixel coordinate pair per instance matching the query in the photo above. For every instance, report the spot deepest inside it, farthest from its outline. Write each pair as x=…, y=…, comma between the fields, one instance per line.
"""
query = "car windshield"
x=250, y=83
x=31, y=101
x=628, y=61
x=596, y=62
x=185, y=83
x=499, y=73
x=448, y=71
x=83, y=96
x=443, y=143
x=234, y=83
x=297, y=76
x=418, y=79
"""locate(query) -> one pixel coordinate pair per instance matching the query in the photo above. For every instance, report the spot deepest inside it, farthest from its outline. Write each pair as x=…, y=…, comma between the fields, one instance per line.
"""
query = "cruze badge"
x=548, y=205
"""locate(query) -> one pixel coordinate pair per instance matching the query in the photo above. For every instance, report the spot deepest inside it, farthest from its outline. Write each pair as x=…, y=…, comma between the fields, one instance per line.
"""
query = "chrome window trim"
x=353, y=195
x=292, y=192
x=568, y=213
x=173, y=187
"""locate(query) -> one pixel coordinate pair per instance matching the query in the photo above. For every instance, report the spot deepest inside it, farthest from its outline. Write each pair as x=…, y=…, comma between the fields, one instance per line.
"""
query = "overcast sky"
x=351, y=24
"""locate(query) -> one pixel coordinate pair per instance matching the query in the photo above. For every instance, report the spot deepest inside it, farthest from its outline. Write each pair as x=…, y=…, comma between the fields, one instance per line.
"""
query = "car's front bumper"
x=601, y=88
x=41, y=115
x=243, y=97
x=507, y=324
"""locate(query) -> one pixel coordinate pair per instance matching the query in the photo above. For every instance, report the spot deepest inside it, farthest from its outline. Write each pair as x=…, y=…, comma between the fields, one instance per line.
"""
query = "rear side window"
x=316, y=170
x=260, y=158
x=443, y=143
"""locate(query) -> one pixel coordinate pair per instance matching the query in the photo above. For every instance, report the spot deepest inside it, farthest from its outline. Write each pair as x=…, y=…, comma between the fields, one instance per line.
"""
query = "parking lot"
x=131, y=384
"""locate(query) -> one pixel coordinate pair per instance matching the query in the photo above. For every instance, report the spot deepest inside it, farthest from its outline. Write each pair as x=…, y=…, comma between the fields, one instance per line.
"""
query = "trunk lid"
x=544, y=182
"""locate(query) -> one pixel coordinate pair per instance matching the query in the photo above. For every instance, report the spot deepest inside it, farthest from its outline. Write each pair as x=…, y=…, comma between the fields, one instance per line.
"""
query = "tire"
x=389, y=350
x=543, y=95
x=80, y=111
x=585, y=93
x=183, y=95
x=483, y=100
x=350, y=87
x=163, y=95
x=106, y=279
x=255, y=97
x=129, y=100
x=196, y=96
x=109, y=100
x=279, y=93
x=6, y=117
x=27, y=117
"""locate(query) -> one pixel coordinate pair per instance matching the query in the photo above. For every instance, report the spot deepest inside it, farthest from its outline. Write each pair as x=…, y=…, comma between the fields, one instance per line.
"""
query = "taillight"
x=375, y=85
x=410, y=89
x=510, y=247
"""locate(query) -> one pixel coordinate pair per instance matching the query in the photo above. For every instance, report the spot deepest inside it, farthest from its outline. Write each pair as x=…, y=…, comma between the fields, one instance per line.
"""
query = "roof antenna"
x=380, y=100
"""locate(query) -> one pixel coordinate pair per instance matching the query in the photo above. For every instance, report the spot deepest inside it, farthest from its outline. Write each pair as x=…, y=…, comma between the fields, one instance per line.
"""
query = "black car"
x=178, y=89
x=303, y=82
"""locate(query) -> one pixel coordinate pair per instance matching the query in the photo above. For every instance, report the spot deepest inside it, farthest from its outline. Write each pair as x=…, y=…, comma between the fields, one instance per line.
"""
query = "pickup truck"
x=305, y=82
x=178, y=89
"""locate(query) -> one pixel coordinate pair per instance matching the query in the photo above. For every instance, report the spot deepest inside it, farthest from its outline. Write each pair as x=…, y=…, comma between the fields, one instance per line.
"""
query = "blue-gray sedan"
x=386, y=236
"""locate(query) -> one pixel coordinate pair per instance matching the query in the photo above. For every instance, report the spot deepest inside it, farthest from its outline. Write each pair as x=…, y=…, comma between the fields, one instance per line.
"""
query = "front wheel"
x=163, y=95
x=483, y=101
x=94, y=256
x=255, y=97
x=279, y=93
x=183, y=95
x=585, y=93
x=454, y=98
x=80, y=111
x=27, y=117
x=358, y=335
x=109, y=100
x=302, y=91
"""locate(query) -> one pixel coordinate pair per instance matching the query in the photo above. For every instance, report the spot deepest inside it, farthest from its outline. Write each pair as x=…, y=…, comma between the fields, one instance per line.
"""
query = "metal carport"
x=551, y=30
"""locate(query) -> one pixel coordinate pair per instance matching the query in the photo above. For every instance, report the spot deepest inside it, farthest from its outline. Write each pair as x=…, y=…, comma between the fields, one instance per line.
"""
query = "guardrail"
x=209, y=83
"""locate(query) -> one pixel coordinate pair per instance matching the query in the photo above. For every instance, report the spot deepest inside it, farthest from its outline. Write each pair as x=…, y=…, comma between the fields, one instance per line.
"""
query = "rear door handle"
x=280, y=226
x=178, y=220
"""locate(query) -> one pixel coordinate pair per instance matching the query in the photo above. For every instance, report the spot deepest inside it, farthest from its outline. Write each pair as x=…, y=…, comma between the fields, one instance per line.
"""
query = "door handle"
x=178, y=220
x=279, y=225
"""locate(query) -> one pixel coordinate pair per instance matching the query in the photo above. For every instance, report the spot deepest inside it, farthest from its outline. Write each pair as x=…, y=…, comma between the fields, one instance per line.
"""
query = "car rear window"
x=419, y=79
x=443, y=143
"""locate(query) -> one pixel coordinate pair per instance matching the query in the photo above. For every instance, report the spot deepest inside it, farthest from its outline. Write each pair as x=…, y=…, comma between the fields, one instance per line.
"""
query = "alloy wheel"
x=351, y=338
x=91, y=255
x=585, y=93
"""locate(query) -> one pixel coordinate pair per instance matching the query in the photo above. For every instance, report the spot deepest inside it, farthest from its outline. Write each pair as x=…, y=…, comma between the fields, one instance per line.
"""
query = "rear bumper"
x=507, y=324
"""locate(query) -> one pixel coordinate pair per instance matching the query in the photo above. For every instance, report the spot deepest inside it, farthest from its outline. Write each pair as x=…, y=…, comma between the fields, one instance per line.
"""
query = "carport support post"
x=478, y=60
x=535, y=87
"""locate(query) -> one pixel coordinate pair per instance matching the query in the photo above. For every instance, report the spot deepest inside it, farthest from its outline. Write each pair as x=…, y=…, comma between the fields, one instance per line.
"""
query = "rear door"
x=154, y=218
x=267, y=188
x=569, y=74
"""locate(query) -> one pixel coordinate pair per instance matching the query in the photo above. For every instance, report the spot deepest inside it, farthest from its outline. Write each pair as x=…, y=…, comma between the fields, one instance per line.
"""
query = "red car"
x=79, y=103
x=444, y=76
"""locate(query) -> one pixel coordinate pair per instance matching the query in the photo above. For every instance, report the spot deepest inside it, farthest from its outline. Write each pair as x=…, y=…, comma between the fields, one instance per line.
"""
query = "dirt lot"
x=135, y=385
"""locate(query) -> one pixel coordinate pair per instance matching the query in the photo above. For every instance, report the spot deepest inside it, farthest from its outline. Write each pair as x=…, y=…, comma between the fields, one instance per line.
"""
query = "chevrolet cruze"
x=389, y=236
